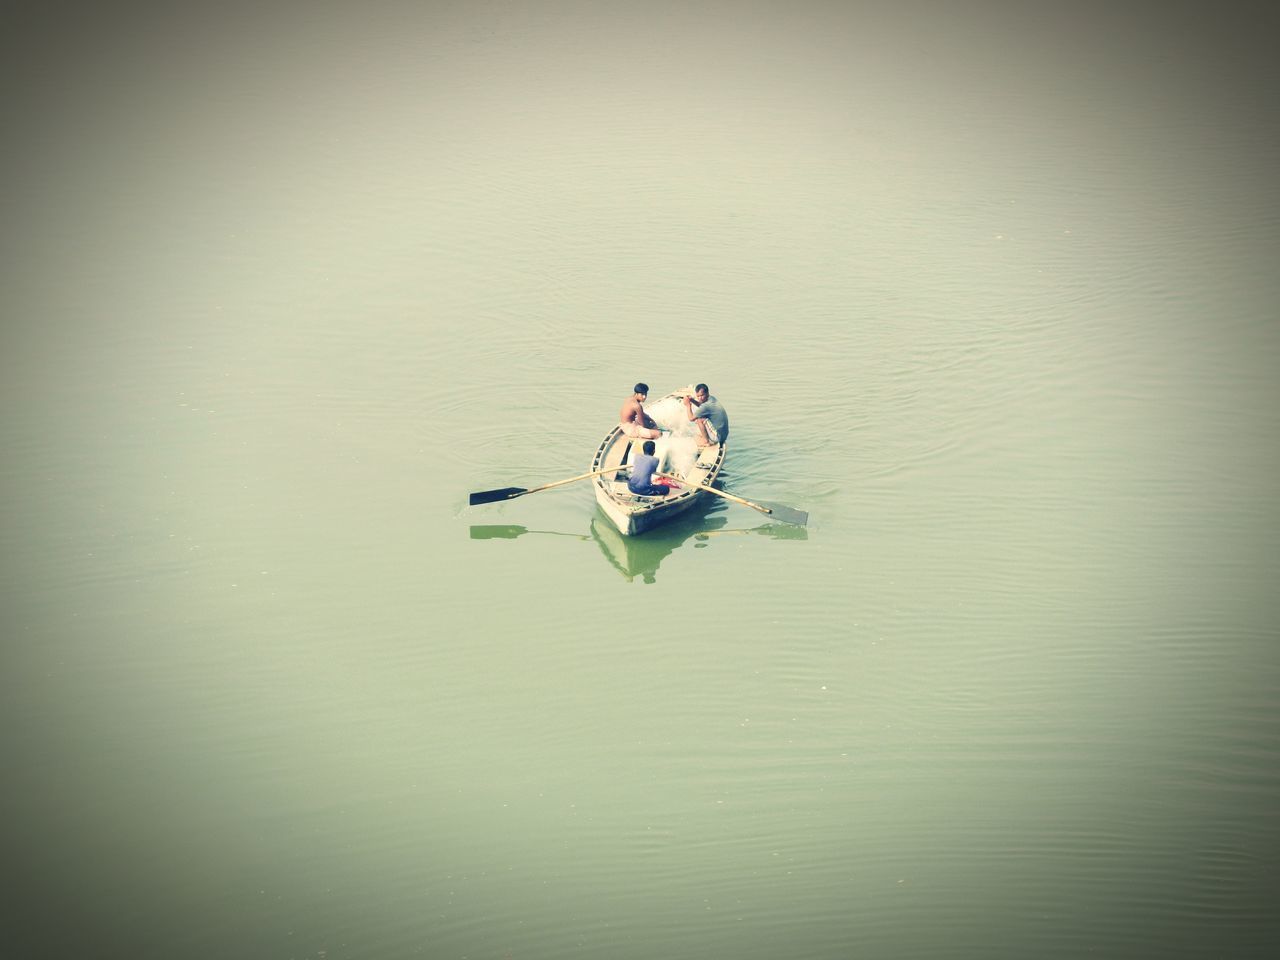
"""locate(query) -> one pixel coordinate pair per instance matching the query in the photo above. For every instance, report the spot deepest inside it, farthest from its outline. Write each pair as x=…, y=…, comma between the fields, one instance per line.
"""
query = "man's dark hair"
x=642, y=388
x=701, y=386
x=649, y=447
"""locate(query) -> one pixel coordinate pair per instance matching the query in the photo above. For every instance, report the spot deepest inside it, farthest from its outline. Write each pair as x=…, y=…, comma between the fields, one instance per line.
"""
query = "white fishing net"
x=677, y=449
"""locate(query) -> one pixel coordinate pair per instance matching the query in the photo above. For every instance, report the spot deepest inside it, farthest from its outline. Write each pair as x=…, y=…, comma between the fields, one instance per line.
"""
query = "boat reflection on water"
x=640, y=556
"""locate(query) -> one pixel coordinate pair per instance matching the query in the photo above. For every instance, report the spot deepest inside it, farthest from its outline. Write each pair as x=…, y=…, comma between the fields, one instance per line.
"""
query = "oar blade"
x=780, y=511
x=493, y=496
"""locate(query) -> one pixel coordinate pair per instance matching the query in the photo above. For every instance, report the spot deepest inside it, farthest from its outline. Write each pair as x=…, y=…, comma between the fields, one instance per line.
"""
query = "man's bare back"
x=634, y=421
x=633, y=412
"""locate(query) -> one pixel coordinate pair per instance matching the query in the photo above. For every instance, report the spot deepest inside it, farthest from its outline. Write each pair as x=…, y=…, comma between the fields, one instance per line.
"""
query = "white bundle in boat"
x=677, y=449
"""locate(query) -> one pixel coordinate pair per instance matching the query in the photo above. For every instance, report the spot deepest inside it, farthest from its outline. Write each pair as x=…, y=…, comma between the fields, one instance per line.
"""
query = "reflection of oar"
x=510, y=532
x=774, y=531
x=509, y=493
x=775, y=510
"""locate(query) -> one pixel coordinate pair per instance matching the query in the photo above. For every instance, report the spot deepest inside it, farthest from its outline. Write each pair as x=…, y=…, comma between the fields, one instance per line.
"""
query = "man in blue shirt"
x=642, y=468
x=708, y=410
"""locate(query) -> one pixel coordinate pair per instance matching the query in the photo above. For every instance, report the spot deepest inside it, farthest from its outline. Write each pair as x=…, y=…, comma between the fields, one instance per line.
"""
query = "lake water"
x=990, y=291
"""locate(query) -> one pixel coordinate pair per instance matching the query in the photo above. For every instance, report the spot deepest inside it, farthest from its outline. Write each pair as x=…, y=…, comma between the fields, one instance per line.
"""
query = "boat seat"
x=621, y=491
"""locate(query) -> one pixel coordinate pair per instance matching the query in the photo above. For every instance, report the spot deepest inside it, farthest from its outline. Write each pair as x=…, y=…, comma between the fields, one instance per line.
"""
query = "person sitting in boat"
x=634, y=421
x=704, y=409
x=642, y=469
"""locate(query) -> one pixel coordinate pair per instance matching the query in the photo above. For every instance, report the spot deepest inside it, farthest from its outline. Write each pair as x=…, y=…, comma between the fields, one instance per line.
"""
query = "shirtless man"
x=702, y=409
x=634, y=421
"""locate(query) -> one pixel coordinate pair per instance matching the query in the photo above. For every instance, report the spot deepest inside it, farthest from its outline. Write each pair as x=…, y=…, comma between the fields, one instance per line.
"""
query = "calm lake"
x=989, y=289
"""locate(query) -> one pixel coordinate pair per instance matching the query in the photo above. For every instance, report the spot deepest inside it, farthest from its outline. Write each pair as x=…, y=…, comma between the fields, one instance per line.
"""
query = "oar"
x=509, y=493
x=775, y=510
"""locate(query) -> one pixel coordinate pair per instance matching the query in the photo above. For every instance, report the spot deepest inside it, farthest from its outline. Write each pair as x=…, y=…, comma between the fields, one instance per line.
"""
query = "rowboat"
x=678, y=455
x=692, y=469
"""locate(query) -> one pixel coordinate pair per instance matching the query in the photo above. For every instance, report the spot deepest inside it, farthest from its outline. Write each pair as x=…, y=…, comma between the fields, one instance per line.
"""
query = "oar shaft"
x=585, y=476
x=718, y=493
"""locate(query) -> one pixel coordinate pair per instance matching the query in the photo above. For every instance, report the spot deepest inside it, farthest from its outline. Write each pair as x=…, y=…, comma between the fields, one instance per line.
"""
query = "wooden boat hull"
x=633, y=514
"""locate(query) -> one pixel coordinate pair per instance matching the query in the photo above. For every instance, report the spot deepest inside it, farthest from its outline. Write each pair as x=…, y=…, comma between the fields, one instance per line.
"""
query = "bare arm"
x=698, y=421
